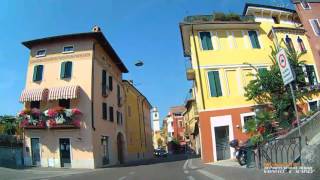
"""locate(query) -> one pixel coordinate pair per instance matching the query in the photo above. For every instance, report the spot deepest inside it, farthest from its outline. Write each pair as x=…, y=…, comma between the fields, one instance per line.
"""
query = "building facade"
x=73, y=102
x=191, y=121
x=309, y=14
x=220, y=53
x=137, y=124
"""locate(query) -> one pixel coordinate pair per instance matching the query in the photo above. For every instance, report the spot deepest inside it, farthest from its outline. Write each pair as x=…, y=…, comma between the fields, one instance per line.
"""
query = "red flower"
x=36, y=112
x=261, y=129
x=76, y=111
x=76, y=123
x=52, y=113
x=24, y=123
x=52, y=122
x=41, y=124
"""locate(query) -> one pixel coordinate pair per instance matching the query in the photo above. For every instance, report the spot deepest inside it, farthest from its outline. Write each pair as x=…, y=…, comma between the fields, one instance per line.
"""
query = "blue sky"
x=137, y=29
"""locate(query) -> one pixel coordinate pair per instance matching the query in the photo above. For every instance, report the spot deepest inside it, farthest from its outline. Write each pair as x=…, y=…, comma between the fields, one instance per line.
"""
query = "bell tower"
x=155, y=119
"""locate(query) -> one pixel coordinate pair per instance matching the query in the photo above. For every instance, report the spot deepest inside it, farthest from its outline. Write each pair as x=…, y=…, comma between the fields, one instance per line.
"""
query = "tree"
x=10, y=124
x=267, y=89
x=159, y=141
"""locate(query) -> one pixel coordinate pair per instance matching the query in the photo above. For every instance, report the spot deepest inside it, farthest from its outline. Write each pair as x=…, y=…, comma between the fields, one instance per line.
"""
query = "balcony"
x=54, y=118
x=190, y=74
x=219, y=17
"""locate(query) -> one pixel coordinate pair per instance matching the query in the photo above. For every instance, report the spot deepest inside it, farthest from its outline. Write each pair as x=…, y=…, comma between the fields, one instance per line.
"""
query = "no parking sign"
x=285, y=68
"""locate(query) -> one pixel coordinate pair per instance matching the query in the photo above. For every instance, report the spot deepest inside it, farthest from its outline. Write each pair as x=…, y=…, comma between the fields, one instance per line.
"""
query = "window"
x=111, y=114
x=301, y=45
x=311, y=75
x=214, y=83
x=313, y=106
x=305, y=4
x=121, y=118
x=41, y=53
x=276, y=19
x=35, y=104
x=104, y=82
x=64, y=103
x=289, y=43
x=180, y=124
x=254, y=39
x=66, y=70
x=110, y=83
x=315, y=26
x=118, y=117
x=105, y=149
x=67, y=49
x=245, y=118
x=206, y=42
x=118, y=95
x=104, y=111
x=37, y=73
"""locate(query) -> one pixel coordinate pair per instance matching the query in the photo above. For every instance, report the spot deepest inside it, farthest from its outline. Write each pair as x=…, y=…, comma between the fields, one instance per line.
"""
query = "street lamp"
x=139, y=63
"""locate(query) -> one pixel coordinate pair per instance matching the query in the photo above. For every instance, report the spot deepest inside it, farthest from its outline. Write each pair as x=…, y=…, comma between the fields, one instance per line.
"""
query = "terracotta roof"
x=95, y=35
x=177, y=109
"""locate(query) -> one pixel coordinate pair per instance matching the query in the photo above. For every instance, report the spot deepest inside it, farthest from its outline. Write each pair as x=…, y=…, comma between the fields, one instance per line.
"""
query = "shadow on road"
x=157, y=160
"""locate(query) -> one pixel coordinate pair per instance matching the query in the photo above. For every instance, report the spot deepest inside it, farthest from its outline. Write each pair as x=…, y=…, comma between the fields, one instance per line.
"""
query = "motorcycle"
x=241, y=151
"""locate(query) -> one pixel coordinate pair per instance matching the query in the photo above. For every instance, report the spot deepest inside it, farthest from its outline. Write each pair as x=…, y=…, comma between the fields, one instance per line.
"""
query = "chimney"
x=96, y=29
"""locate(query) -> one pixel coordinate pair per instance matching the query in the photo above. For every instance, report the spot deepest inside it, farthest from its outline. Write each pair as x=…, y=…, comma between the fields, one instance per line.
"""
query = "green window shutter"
x=254, y=39
x=35, y=72
x=110, y=83
x=40, y=72
x=63, y=70
x=214, y=81
x=104, y=111
x=206, y=40
x=68, y=69
x=261, y=70
x=311, y=75
x=218, y=84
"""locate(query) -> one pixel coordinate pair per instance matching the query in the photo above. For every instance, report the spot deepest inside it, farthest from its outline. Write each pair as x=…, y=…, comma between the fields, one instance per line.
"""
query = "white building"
x=155, y=119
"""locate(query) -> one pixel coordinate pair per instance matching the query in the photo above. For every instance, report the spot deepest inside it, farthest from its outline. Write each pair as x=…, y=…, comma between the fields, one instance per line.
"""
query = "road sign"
x=285, y=68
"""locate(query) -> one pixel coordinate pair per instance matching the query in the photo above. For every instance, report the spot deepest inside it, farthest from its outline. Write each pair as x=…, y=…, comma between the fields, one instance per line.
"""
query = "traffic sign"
x=285, y=68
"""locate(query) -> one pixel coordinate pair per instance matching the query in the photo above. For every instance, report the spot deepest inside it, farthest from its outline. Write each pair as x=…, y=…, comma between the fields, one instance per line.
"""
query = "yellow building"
x=218, y=51
x=191, y=118
x=73, y=100
x=137, y=124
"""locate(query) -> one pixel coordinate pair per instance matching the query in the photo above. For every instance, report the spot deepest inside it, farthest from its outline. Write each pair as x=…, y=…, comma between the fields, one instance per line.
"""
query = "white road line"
x=190, y=178
x=132, y=173
x=186, y=171
x=185, y=164
x=191, y=166
x=209, y=175
x=123, y=178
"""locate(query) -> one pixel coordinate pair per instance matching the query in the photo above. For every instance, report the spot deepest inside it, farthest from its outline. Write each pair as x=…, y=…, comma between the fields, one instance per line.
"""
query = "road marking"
x=185, y=164
x=186, y=171
x=190, y=178
x=209, y=175
x=132, y=173
x=192, y=166
x=123, y=178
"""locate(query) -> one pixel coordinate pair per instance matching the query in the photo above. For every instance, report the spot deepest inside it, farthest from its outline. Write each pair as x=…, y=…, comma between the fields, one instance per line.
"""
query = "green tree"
x=10, y=125
x=267, y=89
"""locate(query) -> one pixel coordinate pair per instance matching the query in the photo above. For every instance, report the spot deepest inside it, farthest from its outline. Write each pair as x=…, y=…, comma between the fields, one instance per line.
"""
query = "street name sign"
x=285, y=68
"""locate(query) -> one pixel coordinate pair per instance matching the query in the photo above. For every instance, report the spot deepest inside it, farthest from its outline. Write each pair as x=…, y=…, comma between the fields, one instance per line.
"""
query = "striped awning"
x=28, y=95
x=66, y=92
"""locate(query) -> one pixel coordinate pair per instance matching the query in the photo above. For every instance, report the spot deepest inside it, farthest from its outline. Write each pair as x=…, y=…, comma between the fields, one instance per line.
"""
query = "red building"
x=309, y=13
x=177, y=123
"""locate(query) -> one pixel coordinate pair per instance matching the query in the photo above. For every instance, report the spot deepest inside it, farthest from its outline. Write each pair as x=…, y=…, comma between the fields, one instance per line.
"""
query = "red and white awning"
x=66, y=92
x=28, y=95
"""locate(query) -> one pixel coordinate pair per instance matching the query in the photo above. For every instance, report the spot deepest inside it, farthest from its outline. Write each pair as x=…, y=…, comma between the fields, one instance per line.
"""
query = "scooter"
x=241, y=151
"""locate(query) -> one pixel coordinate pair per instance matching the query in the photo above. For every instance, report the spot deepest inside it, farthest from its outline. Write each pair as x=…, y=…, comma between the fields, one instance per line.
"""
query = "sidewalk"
x=228, y=163
x=38, y=173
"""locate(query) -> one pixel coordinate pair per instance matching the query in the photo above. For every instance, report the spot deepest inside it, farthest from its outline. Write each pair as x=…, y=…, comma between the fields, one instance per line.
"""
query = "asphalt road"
x=171, y=168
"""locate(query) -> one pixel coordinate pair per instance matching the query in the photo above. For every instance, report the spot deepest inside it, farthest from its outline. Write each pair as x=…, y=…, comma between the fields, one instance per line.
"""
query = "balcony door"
x=65, y=149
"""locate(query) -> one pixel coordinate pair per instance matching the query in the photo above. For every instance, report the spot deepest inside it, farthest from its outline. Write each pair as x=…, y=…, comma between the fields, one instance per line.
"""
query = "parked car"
x=160, y=153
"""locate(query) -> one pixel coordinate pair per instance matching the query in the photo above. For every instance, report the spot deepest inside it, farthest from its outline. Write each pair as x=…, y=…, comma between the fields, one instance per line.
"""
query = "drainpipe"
x=198, y=66
x=92, y=87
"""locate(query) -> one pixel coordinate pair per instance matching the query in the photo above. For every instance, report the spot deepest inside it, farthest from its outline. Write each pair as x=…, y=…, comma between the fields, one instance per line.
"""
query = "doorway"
x=222, y=142
x=120, y=143
x=65, y=156
x=35, y=151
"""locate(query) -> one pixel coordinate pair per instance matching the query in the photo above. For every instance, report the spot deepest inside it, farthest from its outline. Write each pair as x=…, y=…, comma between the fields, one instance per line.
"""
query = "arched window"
x=289, y=43
x=301, y=44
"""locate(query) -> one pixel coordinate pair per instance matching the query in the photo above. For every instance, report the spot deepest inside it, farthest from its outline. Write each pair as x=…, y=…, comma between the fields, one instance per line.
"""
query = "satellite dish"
x=139, y=63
